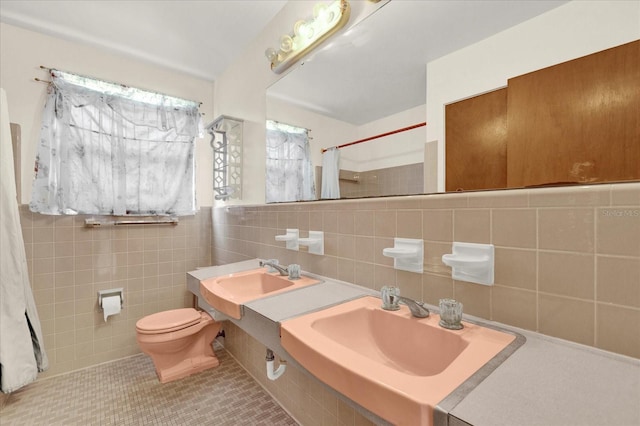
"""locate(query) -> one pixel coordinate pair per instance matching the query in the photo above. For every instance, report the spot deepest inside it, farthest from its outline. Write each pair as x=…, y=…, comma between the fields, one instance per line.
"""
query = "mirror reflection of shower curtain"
x=331, y=174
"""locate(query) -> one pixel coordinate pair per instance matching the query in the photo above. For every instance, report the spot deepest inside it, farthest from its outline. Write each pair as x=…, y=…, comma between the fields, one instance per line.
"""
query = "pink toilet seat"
x=168, y=321
x=179, y=342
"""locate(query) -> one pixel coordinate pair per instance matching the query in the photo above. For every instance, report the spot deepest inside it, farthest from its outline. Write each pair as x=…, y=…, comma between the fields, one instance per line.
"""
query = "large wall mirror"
x=371, y=79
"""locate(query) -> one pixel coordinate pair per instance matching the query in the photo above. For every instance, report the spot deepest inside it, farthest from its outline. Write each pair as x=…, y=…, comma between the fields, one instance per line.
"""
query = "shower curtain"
x=331, y=174
x=22, y=353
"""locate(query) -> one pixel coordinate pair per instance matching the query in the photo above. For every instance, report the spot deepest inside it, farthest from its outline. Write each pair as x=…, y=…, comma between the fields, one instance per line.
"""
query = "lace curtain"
x=109, y=149
x=289, y=174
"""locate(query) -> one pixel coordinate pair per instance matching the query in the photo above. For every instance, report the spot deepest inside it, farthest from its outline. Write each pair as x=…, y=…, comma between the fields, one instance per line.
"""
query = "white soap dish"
x=291, y=238
x=471, y=262
x=407, y=254
x=315, y=242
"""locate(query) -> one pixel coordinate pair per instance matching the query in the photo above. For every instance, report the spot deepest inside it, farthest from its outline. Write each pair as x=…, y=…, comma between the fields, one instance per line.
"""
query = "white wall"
x=570, y=31
x=573, y=30
x=241, y=90
x=23, y=51
x=394, y=150
x=325, y=132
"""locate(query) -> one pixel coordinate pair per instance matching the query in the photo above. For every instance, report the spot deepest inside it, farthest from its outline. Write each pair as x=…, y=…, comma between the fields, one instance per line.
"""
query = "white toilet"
x=179, y=342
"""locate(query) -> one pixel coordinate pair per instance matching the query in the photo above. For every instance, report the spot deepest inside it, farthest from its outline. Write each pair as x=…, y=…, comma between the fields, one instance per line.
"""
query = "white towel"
x=22, y=352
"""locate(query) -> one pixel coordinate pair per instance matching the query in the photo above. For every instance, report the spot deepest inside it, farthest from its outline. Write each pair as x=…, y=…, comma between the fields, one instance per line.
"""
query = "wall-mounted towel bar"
x=91, y=222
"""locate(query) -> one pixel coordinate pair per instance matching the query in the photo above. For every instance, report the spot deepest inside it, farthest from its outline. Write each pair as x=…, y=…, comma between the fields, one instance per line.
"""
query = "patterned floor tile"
x=127, y=392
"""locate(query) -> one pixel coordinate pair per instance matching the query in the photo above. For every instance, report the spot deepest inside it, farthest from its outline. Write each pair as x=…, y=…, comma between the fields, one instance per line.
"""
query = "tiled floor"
x=127, y=392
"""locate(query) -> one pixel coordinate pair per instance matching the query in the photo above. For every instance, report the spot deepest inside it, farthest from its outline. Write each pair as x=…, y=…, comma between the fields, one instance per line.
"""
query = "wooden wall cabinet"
x=476, y=130
x=575, y=122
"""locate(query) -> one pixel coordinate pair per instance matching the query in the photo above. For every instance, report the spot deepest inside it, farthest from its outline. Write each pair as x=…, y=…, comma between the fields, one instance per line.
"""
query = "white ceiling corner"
x=200, y=38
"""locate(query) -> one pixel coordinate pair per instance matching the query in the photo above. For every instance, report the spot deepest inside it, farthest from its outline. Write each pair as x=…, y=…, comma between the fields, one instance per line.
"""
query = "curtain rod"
x=290, y=125
x=118, y=84
x=404, y=129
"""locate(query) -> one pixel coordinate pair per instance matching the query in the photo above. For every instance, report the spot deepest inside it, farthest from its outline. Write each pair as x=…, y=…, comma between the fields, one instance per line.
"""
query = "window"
x=110, y=149
x=289, y=174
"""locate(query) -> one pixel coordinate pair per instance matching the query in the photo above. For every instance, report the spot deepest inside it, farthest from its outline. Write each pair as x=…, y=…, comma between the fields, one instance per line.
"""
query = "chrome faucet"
x=391, y=297
x=418, y=309
x=283, y=271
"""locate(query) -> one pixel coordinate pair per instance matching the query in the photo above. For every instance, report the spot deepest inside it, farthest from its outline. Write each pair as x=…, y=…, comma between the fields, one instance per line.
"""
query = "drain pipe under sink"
x=273, y=375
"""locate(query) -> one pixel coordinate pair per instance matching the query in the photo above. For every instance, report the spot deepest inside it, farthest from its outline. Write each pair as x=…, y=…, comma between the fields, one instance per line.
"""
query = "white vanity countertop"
x=307, y=299
x=550, y=382
x=547, y=381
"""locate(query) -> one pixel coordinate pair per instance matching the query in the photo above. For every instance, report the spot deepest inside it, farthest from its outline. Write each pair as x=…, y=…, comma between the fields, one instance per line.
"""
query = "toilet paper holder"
x=111, y=292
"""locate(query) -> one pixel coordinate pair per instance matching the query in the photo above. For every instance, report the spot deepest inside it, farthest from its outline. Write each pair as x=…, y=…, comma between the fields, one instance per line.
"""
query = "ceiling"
x=203, y=37
x=200, y=38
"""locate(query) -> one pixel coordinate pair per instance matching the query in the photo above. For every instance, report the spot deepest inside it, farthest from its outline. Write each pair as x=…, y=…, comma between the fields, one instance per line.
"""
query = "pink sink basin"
x=396, y=366
x=228, y=293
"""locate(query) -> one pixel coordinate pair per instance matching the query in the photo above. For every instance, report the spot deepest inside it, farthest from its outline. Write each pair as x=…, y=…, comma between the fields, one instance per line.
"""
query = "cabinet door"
x=578, y=121
x=476, y=142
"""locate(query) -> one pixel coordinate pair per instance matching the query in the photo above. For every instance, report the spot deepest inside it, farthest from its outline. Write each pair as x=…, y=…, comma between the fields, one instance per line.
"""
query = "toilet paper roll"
x=110, y=306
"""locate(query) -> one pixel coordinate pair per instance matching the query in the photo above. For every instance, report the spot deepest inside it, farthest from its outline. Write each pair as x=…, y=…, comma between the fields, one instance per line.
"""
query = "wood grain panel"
x=476, y=142
x=578, y=121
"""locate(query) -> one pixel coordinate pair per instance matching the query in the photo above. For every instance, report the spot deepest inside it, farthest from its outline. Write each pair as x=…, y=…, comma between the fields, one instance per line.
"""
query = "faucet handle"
x=390, y=298
x=450, y=314
x=294, y=271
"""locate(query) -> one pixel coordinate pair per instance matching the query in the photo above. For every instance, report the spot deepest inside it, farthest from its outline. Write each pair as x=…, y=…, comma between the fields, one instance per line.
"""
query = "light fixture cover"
x=309, y=33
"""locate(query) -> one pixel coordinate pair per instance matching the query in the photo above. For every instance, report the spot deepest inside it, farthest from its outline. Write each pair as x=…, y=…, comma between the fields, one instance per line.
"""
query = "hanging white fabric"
x=110, y=149
x=22, y=352
x=331, y=174
x=289, y=172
